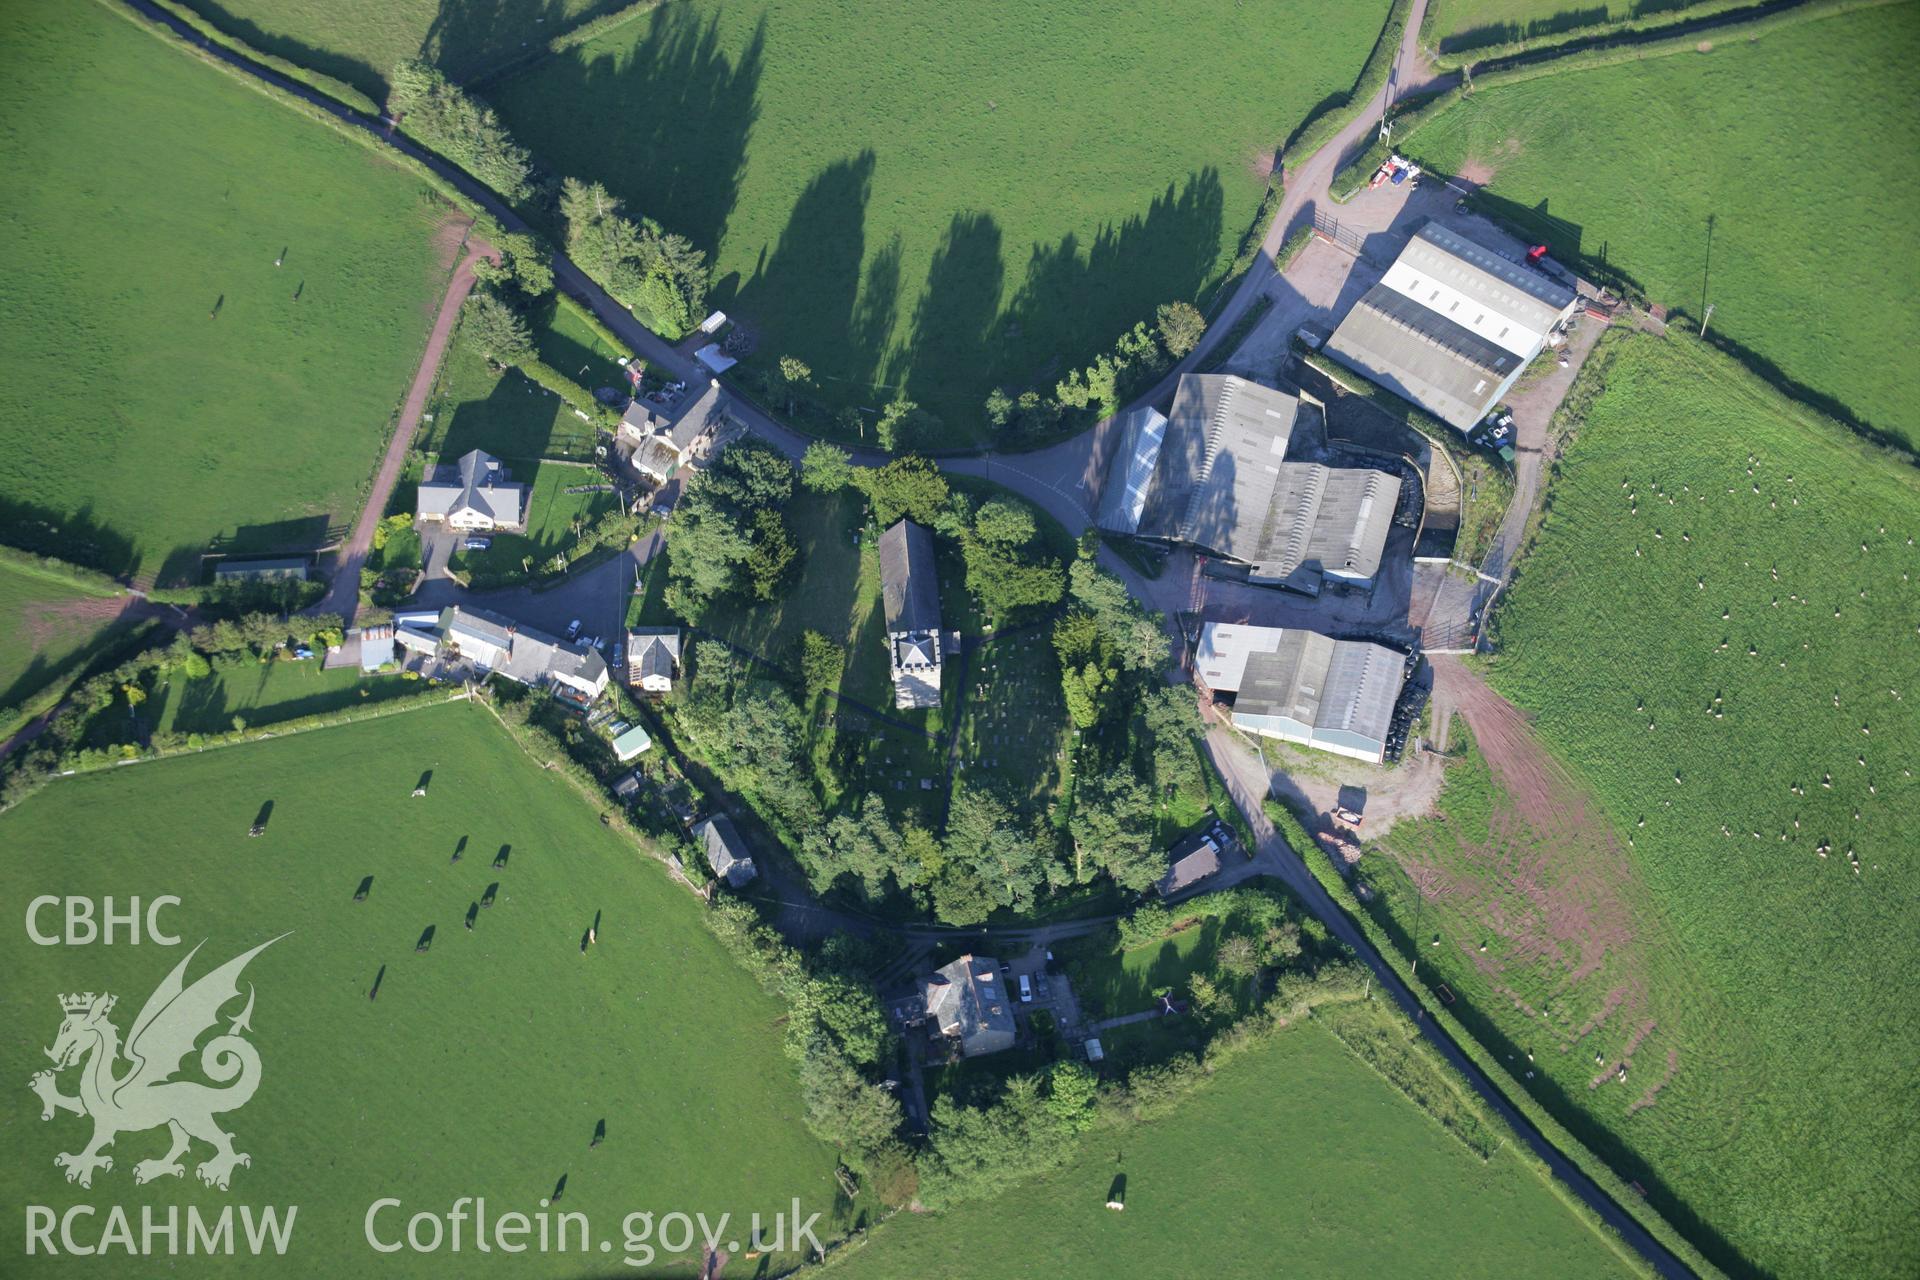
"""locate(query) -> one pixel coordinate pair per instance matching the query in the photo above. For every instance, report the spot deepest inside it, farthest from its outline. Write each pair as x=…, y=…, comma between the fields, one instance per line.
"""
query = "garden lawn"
x=486, y=1063
x=551, y=513
x=835, y=590
x=512, y=418
x=54, y=628
x=930, y=201
x=1111, y=982
x=1754, y=178
x=1295, y=1159
x=569, y=343
x=1774, y=1125
x=359, y=41
x=166, y=383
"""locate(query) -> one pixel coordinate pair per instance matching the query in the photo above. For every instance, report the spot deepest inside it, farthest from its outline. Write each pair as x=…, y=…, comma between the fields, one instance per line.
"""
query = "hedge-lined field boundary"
x=1632, y=43
x=1308, y=851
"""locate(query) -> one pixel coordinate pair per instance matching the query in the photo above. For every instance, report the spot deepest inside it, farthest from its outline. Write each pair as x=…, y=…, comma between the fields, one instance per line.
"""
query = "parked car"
x=619, y=655
x=478, y=544
x=573, y=629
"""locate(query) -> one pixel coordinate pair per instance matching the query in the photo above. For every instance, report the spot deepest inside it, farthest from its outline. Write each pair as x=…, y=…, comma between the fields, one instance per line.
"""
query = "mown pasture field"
x=1296, y=1159
x=485, y=1064
x=1715, y=630
x=1753, y=178
x=931, y=201
x=359, y=41
x=167, y=383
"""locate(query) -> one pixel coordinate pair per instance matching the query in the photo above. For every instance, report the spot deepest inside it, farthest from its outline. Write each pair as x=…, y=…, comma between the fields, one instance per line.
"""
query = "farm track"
x=1054, y=479
x=343, y=595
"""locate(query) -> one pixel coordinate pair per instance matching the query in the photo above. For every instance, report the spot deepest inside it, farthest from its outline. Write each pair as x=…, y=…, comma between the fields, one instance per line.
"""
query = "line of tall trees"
x=658, y=275
x=188, y=655
x=650, y=270
x=1138, y=357
x=463, y=129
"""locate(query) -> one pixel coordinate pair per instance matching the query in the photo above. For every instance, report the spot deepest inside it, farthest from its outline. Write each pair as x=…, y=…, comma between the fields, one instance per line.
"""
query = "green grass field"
x=359, y=41
x=165, y=387
x=1757, y=1113
x=1473, y=24
x=484, y=1065
x=264, y=693
x=935, y=201
x=475, y=407
x=1754, y=178
x=55, y=627
x=1295, y=1160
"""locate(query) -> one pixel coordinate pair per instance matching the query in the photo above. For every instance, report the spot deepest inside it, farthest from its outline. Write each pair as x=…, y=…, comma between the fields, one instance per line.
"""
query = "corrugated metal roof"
x=631, y=743
x=1498, y=283
x=1125, y=496
x=1446, y=369
x=1324, y=520
x=1343, y=689
x=909, y=588
x=1219, y=462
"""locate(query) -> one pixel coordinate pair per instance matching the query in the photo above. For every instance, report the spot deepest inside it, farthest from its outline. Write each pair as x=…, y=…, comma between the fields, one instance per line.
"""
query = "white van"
x=1026, y=990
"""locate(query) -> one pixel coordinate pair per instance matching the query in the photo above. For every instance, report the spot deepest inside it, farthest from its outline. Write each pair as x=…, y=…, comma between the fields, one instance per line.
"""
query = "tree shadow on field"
x=672, y=112
x=100, y=649
x=203, y=706
x=354, y=71
x=514, y=423
x=74, y=536
x=1077, y=297
x=809, y=291
x=836, y=309
x=962, y=297
x=1495, y=33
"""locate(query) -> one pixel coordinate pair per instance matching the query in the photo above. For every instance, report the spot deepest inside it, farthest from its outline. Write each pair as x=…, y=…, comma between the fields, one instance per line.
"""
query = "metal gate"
x=1347, y=238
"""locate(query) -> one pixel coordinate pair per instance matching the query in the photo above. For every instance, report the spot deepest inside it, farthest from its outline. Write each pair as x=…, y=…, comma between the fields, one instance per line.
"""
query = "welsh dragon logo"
x=145, y=1095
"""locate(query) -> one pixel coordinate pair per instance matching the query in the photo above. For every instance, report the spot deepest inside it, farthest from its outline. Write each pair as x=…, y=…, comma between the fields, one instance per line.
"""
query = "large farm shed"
x=1451, y=325
x=1304, y=687
x=1213, y=474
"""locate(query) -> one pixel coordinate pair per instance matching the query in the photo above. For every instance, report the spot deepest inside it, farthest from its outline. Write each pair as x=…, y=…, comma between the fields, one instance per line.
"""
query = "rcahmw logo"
x=145, y=1094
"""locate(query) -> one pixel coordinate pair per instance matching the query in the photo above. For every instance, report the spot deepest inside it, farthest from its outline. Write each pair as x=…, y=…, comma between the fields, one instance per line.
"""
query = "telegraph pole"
x=1704, y=319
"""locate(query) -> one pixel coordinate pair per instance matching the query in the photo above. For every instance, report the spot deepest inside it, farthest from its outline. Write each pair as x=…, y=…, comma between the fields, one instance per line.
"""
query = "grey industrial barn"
x=1451, y=325
x=1213, y=474
x=1302, y=686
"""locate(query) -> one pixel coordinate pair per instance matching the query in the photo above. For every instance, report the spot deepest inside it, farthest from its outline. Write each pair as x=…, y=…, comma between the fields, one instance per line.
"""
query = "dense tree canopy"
x=730, y=526
x=825, y=468
x=911, y=487
x=494, y=329
x=651, y=270
x=465, y=131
